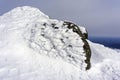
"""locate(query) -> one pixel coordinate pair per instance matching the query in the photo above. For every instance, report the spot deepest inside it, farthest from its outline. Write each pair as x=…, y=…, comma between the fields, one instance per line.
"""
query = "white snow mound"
x=34, y=47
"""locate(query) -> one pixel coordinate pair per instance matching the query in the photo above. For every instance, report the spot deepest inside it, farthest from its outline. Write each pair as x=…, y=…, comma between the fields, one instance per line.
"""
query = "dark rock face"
x=83, y=36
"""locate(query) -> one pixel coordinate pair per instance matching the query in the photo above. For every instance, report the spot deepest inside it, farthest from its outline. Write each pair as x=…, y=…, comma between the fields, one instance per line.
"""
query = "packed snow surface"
x=30, y=49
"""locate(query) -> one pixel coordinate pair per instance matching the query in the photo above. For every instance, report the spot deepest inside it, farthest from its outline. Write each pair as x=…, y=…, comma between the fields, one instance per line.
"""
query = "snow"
x=105, y=63
x=83, y=29
x=31, y=49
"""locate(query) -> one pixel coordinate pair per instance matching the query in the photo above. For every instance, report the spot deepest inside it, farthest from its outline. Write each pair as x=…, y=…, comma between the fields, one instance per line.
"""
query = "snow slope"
x=31, y=49
x=105, y=63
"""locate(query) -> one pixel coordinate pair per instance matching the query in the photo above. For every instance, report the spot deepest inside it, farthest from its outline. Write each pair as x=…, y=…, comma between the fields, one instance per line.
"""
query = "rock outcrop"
x=83, y=36
x=49, y=37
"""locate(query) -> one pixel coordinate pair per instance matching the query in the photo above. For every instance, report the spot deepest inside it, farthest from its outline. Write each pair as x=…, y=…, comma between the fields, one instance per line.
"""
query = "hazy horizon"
x=100, y=17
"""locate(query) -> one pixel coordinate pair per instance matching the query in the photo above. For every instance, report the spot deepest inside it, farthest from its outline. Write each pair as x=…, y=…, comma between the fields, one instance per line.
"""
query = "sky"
x=101, y=18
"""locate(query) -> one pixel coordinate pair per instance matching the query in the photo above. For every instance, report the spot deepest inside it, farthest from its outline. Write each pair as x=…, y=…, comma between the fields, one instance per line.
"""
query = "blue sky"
x=100, y=17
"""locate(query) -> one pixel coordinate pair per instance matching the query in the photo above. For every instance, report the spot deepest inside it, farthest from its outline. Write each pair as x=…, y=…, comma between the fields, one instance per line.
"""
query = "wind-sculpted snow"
x=56, y=40
x=34, y=47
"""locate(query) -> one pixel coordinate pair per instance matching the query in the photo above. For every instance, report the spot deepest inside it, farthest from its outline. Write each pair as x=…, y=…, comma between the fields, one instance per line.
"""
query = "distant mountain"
x=35, y=47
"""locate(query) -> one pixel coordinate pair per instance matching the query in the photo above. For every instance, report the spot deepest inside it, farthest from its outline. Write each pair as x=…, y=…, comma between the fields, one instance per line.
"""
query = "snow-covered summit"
x=25, y=12
x=53, y=38
x=35, y=47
